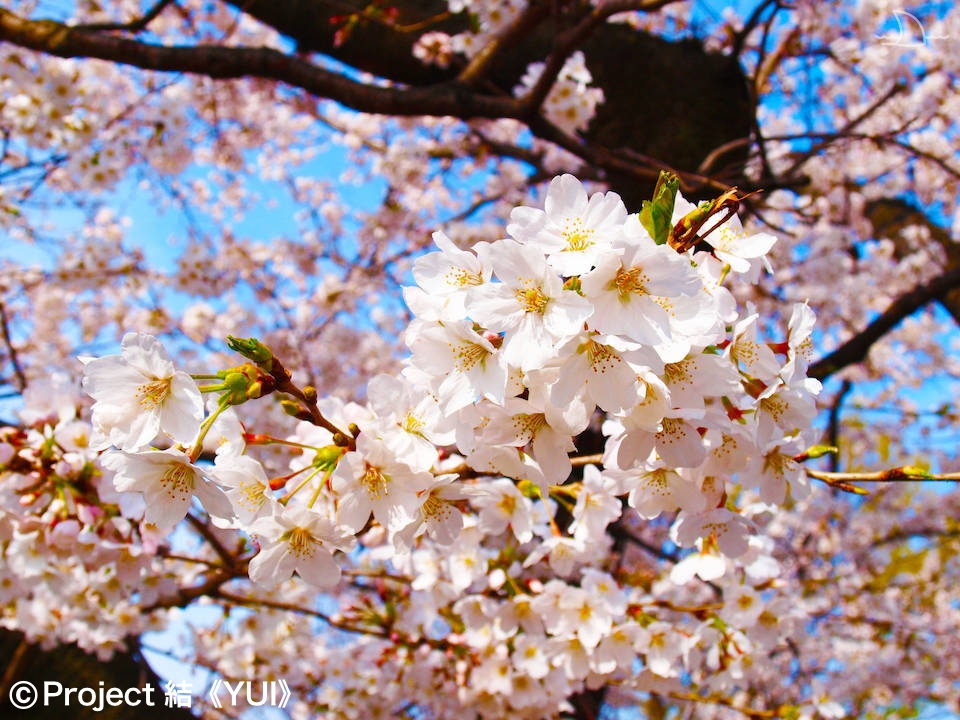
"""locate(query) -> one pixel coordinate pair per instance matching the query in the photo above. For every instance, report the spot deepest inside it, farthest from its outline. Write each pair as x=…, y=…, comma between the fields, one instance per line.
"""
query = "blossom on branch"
x=169, y=481
x=139, y=393
x=297, y=540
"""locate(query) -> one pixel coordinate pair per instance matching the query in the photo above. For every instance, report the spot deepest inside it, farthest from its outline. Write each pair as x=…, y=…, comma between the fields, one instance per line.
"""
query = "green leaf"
x=657, y=214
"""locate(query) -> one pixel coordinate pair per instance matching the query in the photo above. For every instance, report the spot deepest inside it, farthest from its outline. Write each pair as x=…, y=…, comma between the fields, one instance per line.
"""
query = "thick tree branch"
x=701, y=98
x=447, y=99
x=833, y=426
x=451, y=98
x=856, y=348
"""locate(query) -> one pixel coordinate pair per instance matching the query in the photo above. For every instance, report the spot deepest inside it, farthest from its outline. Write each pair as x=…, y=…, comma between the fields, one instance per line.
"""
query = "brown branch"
x=719, y=152
x=826, y=138
x=620, y=531
x=755, y=714
x=856, y=348
x=290, y=607
x=843, y=480
x=229, y=560
x=897, y=474
x=649, y=169
x=833, y=427
x=740, y=37
x=14, y=666
x=386, y=633
x=446, y=99
x=895, y=89
x=11, y=350
x=186, y=595
x=479, y=66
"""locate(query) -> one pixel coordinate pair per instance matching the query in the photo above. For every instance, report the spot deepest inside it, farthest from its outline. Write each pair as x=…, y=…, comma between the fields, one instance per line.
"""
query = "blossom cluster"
x=462, y=473
x=77, y=565
x=571, y=102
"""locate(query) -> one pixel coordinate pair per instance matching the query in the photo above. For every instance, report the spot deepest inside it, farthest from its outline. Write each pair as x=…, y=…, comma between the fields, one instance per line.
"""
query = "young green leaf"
x=657, y=214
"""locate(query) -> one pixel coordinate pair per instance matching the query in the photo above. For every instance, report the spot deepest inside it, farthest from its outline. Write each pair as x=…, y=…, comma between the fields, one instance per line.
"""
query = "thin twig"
x=18, y=373
x=133, y=26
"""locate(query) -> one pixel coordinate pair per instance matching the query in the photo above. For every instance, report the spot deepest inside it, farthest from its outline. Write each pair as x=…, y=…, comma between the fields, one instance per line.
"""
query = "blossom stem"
x=286, y=498
x=320, y=487
x=204, y=429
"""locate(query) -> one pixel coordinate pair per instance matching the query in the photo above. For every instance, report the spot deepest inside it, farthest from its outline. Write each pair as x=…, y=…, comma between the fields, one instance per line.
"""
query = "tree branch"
x=856, y=348
x=21, y=378
x=842, y=480
x=133, y=26
x=479, y=66
x=833, y=427
x=446, y=99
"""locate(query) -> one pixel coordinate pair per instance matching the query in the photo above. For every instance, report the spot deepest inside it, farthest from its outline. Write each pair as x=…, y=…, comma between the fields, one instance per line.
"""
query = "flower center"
x=507, y=505
x=301, y=542
x=468, y=355
x=679, y=373
x=152, y=394
x=577, y=236
x=251, y=496
x=601, y=357
x=435, y=509
x=177, y=480
x=527, y=425
x=374, y=482
x=531, y=299
x=460, y=277
x=629, y=281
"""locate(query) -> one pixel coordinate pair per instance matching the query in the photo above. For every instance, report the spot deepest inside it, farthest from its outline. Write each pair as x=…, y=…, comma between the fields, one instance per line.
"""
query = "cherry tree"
x=626, y=392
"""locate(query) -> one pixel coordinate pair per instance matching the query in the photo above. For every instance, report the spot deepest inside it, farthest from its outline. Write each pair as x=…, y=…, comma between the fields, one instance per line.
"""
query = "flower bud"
x=294, y=409
x=244, y=382
x=252, y=349
x=328, y=457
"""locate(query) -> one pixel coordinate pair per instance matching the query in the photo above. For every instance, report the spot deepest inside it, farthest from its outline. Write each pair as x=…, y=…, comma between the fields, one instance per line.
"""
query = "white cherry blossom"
x=139, y=393
x=571, y=230
x=297, y=540
x=169, y=481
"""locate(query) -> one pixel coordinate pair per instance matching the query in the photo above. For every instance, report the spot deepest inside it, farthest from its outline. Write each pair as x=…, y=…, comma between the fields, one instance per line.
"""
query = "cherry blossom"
x=168, y=481
x=139, y=393
x=299, y=540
